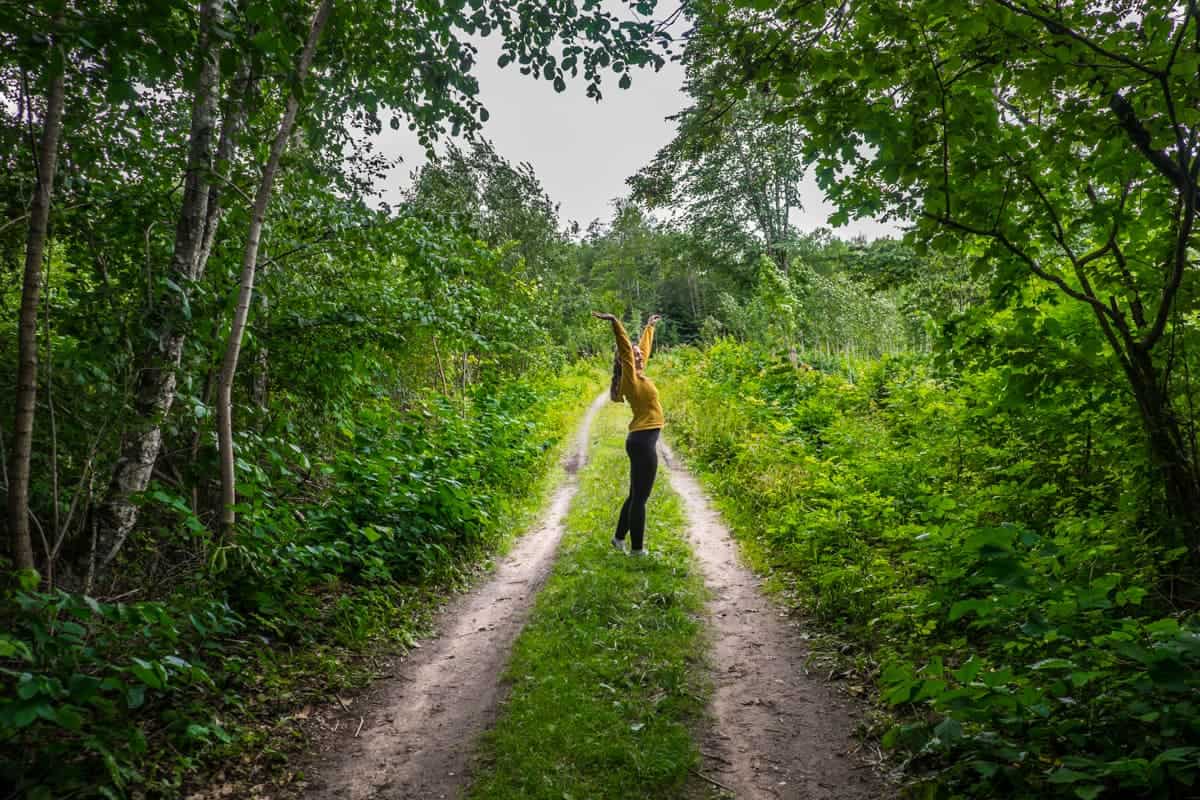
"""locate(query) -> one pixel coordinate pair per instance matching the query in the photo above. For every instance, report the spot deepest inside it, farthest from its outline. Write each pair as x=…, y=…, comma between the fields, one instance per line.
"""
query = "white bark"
x=249, y=264
x=158, y=367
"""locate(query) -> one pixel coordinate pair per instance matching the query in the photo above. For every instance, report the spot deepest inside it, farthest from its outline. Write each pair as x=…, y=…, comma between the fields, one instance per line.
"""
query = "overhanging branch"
x=1030, y=261
x=1167, y=166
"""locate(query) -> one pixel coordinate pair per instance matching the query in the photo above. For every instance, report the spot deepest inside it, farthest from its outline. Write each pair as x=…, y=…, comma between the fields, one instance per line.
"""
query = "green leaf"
x=991, y=540
x=982, y=608
x=1177, y=755
x=147, y=672
x=1163, y=627
x=11, y=647
x=28, y=580
x=195, y=731
x=1083, y=678
x=948, y=730
x=83, y=687
x=967, y=672
x=1065, y=775
x=28, y=686
x=901, y=693
x=69, y=718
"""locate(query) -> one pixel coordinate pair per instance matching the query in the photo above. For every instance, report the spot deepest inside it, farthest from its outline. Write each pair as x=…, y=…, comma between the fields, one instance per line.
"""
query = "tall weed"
x=112, y=698
x=995, y=561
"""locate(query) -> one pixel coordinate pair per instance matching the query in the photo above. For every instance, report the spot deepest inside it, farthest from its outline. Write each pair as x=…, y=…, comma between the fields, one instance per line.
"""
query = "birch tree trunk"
x=233, y=119
x=157, y=367
x=35, y=251
x=249, y=263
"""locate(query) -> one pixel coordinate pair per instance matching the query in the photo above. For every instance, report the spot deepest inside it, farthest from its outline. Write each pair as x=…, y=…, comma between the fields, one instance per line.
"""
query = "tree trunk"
x=35, y=251
x=249, y=263
x=233, y=119
x=157, y=367
x=1169, y=450
x=1169, y=447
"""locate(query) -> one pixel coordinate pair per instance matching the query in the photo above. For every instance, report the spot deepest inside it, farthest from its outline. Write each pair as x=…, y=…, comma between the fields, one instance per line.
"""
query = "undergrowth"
x=989, y=558
x=338, y=562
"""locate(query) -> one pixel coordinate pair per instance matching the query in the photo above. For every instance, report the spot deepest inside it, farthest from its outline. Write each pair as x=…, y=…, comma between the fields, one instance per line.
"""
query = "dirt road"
x=777, y=732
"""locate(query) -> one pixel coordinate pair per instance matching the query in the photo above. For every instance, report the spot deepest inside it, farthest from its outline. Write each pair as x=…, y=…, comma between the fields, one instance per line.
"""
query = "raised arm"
x=624, y=346
x=647, y=342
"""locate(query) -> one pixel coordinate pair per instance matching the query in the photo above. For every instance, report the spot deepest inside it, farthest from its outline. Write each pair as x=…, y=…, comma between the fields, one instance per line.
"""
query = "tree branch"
x=1135, y=300
x=1140, y=137
x=937, y=73
x=1175, y=280
x=1059, y=29
x=1031, y=262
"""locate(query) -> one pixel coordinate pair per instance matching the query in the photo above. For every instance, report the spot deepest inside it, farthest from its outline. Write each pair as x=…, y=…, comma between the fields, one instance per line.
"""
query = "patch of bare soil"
x=777, y=731
x=417, y=730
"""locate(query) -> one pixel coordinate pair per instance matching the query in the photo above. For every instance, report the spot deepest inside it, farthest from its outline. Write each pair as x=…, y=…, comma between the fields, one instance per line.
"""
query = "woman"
x=642, y=441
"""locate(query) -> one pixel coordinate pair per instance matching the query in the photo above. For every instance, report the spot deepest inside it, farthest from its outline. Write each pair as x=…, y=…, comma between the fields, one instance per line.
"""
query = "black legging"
x=643, y=465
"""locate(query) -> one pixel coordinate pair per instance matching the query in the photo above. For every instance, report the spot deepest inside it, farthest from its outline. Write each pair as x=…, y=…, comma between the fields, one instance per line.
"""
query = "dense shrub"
x=95, y=695
x=995, y=560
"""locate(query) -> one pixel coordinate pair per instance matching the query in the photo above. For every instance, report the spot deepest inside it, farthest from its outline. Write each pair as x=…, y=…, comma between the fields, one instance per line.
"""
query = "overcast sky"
x=582, y=150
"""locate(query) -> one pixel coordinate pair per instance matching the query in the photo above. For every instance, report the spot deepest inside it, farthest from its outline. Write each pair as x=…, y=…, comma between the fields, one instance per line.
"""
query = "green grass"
x=604, y=678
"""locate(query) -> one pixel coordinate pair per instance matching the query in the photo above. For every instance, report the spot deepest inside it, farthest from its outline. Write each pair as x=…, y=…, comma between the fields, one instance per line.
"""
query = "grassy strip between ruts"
x=605, y=685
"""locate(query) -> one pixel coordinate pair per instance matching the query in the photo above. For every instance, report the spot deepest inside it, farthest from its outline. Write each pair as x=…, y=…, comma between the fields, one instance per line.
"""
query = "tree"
x=476, y=187
x=45, y=154
x=250, y=262
x=1061, y=138
x=108, y=147
x=427, y=80
x=731, y=172
x=158, y=364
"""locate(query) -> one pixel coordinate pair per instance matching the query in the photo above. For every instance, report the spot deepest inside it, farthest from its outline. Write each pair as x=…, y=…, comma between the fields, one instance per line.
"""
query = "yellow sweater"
x=638, y=389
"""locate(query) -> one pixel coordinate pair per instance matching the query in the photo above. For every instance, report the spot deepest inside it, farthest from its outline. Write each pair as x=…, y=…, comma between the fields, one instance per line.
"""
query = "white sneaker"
x=618, y=544
x=639, y=553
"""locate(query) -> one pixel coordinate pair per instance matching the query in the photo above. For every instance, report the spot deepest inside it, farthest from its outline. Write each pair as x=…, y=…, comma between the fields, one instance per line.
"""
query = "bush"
x=95, y=695
x=993, y=560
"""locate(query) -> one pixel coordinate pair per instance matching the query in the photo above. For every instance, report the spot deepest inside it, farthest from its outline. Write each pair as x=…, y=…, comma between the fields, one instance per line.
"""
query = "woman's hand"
x=602, y=315
x=654, y=319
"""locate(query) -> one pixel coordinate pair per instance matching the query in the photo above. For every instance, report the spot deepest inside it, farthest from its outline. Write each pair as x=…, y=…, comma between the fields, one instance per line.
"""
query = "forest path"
x=418, y=736
x=777, y=731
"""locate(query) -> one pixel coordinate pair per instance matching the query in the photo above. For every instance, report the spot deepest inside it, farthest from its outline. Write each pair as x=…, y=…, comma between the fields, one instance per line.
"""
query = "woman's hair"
x=614, y=387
